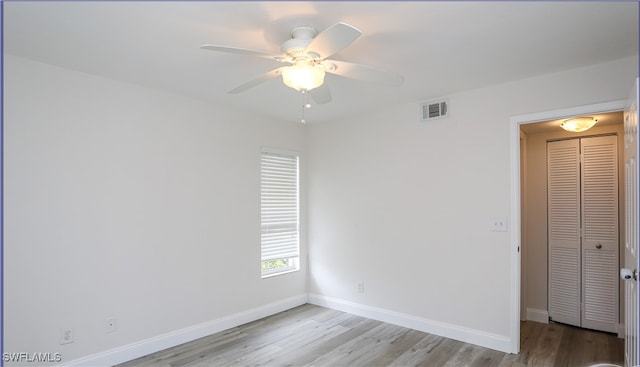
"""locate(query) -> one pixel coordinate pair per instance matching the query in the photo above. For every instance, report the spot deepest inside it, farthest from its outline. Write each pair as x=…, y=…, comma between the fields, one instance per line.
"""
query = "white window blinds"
x=279, y=206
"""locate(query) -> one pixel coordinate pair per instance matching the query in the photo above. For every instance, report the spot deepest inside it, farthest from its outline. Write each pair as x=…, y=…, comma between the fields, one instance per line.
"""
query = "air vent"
x=435, y=110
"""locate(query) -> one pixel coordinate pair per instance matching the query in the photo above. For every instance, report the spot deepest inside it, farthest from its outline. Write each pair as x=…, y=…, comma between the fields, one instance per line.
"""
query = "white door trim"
x=514, y=138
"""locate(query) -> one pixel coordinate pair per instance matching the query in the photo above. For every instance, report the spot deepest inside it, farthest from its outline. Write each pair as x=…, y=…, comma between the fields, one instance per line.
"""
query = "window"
x=279, y=213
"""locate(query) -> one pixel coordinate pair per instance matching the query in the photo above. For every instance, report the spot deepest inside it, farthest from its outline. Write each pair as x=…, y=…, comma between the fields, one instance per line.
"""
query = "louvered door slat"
x=600, y=290
x=564, y=285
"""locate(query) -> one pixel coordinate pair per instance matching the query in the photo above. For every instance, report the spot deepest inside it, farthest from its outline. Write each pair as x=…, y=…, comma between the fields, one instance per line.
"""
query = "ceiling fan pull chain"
x=305, y=104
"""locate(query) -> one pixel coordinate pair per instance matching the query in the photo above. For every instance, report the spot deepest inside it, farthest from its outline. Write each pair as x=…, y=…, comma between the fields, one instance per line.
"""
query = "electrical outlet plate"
x=498, y=224
x=66, y=336
x=361, y=287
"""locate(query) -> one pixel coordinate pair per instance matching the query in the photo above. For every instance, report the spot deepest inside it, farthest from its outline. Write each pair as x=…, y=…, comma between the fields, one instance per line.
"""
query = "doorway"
x=528, y=124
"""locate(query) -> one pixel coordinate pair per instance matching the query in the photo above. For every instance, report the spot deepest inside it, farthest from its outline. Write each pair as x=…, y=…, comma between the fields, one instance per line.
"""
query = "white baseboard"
x=538, y=315
x=621, y=331
x=144, y=347
x=477, y=337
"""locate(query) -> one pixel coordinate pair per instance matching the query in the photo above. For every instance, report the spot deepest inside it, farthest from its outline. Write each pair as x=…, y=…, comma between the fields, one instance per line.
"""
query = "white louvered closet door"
x=563, y=192
x=600, y=233
x=582, y=194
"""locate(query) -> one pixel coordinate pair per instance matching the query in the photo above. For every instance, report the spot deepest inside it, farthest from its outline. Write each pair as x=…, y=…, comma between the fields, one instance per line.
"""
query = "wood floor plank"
x=529, y=337
x=509, y=361
x=419, y=352
x=311, y=352
x=601, y=348
x=464, y=357
x=487, y=358
x=359, y=351
x=314, y=336
x=442, y=353
x=616, y=351
x=397, y=347
x=545, y=349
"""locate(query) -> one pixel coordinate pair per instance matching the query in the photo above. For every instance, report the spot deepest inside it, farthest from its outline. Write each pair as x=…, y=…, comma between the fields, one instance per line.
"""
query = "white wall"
x=405, y=206
x=128, y=202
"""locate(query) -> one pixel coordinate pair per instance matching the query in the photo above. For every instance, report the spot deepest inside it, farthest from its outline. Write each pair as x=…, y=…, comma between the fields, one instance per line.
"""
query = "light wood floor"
x=314, y=336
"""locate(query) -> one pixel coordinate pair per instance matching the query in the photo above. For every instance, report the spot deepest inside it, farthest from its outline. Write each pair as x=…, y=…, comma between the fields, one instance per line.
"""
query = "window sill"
x=279, y=273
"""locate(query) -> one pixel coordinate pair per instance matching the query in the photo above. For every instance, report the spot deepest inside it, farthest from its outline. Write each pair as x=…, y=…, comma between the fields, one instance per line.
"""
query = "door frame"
x=515, y=194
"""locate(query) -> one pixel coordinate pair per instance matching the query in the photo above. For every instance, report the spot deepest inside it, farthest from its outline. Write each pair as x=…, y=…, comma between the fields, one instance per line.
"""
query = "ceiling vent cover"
x=435, y=110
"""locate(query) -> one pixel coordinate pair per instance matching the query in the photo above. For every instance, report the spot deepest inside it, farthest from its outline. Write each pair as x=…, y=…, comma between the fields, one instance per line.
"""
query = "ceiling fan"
x=307, y=52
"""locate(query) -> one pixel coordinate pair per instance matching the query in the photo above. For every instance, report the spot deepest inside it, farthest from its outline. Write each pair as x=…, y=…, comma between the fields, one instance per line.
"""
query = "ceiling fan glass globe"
x=303, y=76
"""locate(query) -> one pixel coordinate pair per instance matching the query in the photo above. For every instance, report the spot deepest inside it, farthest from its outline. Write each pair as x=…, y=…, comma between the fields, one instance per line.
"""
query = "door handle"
x=628, y=274
x=599, y=246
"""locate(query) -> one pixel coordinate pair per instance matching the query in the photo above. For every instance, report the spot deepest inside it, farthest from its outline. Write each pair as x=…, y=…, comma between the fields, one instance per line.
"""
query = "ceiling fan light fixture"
x=303, y=76
x=578, y=124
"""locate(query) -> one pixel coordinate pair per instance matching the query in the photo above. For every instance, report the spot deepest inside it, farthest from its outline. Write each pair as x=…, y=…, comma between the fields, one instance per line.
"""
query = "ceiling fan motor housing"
x=297, y=45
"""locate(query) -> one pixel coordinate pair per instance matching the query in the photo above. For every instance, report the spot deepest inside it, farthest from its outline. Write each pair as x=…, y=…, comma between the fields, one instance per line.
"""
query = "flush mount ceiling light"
x=303, y=76
x=578, y=124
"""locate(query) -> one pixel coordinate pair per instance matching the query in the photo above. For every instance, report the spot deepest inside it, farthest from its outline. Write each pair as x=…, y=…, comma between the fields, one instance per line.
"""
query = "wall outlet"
x=110, y=325
x=66, y=336
x=498, y=224
x=361, y=287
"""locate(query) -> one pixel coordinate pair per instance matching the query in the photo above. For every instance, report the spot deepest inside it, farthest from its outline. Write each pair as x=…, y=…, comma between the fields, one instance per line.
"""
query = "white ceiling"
x=439, y=47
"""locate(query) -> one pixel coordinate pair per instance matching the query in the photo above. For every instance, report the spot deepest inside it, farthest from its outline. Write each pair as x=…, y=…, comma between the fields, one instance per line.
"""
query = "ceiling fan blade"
x=321, y=94
x=241, y=51
x=259, y=80
x=333, y=39
x=364, y=73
